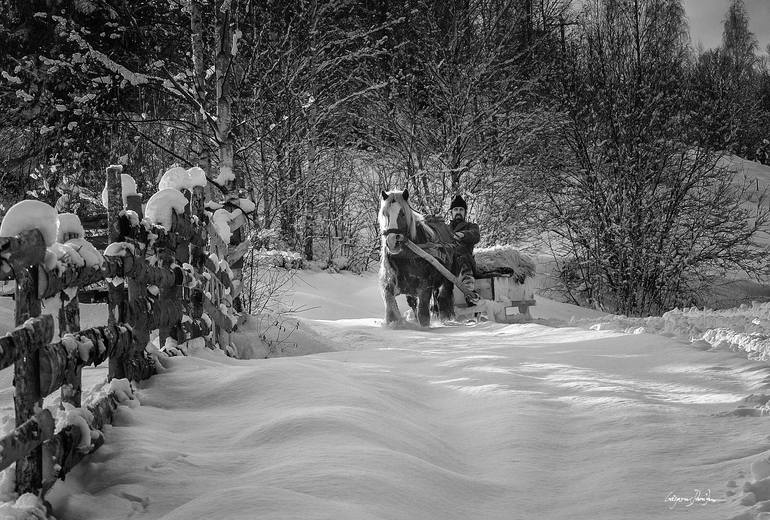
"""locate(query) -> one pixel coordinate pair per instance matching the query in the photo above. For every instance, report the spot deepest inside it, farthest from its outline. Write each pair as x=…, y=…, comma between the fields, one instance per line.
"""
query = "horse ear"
x=405, y=194
x=384, y=195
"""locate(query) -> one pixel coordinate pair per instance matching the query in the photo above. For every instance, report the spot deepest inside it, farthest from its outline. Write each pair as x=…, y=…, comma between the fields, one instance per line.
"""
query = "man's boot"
x=469, y=282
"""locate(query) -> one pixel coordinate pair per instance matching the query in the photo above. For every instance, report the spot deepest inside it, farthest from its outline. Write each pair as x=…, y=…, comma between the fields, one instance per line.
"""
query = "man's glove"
x=459, y=235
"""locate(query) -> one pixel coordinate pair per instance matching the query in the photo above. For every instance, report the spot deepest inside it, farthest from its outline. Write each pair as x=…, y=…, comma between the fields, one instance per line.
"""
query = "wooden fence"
x=157, y=278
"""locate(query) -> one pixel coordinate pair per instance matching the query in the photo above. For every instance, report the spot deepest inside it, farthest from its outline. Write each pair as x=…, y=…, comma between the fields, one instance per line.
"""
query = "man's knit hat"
x=458, y=202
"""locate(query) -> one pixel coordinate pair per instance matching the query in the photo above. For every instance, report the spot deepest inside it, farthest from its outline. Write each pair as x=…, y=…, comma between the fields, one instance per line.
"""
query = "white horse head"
x=398, y=221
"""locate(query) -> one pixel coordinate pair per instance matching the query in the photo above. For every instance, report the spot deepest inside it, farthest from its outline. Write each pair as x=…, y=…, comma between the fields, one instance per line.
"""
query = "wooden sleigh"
x=505, y=296
x=503, y=300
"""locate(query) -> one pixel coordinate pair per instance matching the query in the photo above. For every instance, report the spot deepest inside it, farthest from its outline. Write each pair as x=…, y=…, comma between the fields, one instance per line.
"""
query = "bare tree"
x=641, y=204
x=461, y=101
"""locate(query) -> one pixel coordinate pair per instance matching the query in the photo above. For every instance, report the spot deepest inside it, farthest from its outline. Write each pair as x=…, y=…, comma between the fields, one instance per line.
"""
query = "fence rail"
x=158, y=279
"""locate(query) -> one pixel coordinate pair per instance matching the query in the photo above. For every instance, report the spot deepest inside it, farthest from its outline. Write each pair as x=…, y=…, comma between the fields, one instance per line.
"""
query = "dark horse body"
x=401, y=271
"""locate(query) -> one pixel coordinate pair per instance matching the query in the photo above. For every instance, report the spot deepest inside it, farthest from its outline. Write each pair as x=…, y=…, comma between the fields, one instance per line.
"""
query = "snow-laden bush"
x=274, y=258
x=268, y=278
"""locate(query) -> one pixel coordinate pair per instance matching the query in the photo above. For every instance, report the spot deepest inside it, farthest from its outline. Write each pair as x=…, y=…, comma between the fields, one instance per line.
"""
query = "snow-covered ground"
x=560, y=418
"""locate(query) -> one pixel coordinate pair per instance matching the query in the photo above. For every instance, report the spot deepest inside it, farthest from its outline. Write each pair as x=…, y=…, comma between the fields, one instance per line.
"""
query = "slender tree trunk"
x=226, y=44
x=200, y=144
x=267, y=193
x=310, y=194
x=312, y=122
x=286, y=187
x=224, y=41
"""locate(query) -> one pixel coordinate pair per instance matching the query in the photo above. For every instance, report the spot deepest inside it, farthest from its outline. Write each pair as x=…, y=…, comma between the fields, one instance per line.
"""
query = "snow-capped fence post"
x=219, y=248
x=69, y=311
x=114, y=207
x=27, y=398
x=197, y=246
x=166, y=251
x=117, y=295
x=69, y=322
x=138, y=316
x=28, y=305
x=134, y=203
x=114, y=201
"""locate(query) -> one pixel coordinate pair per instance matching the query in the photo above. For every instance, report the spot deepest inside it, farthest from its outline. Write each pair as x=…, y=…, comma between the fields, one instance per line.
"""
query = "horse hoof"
x=393, y=324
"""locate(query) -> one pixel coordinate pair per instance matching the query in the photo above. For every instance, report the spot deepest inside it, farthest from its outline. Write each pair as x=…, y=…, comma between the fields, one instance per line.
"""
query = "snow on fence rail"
x=160, y=276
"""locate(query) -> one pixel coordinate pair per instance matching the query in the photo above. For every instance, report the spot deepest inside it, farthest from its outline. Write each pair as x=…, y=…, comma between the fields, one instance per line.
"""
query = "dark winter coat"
x=471, y=235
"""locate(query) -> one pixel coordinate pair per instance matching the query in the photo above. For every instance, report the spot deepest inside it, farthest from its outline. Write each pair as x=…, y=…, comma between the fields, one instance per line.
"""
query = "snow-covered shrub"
x=274, y=258
x=338, y=254
x=264, y=238
x=268, y=277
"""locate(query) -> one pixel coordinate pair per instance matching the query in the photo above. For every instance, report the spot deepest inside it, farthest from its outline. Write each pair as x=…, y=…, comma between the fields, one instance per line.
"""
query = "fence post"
x=69, y=311
x=138, y=317
x=166, y=252
x=197, y=246
x=116, y=305
x=219, y=248
x=69, y=321
x=26, y=375
x=27, y=304
x=69, y=314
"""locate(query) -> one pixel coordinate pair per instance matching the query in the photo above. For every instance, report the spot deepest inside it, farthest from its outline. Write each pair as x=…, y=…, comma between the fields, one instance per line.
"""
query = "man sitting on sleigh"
x=466, y=235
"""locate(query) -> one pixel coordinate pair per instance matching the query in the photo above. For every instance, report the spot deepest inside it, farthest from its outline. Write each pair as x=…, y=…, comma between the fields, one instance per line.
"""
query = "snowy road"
x=565, y=423
x=485, y=422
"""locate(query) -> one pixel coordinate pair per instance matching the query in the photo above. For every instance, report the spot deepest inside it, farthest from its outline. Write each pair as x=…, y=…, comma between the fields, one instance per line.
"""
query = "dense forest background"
x=590, y=129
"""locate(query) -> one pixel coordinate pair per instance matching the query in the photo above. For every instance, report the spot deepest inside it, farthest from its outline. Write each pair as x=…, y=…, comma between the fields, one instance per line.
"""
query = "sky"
x=706, y=20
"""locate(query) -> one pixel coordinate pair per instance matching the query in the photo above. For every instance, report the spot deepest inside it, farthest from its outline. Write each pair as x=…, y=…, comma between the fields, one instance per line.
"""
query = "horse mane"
x=413, y=218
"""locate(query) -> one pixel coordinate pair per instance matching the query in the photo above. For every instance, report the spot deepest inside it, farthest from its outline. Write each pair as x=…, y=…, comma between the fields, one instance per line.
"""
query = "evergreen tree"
x=726, y=84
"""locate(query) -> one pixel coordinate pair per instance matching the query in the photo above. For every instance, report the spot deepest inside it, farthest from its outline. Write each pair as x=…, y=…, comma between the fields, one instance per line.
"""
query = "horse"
x=403, y=272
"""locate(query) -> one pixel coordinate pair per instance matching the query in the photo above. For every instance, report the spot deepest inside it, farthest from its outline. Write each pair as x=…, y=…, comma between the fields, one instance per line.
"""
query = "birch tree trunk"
x=312, y=122
x=227, y=36
x=309, y=192
x=200, y=145
x=223, y=66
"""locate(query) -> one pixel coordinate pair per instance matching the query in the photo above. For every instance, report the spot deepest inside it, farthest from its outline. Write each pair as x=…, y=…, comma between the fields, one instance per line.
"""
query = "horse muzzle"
x=394, y=242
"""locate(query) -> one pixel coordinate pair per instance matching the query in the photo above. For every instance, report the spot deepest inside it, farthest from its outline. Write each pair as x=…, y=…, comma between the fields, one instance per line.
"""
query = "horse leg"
x=423, y=306
x=412, y=301
x=446, y=304
x=392, y=313
x=434, y=303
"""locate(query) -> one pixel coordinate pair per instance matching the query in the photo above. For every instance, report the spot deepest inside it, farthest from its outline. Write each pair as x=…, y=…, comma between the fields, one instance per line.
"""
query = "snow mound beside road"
x=745, y=328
